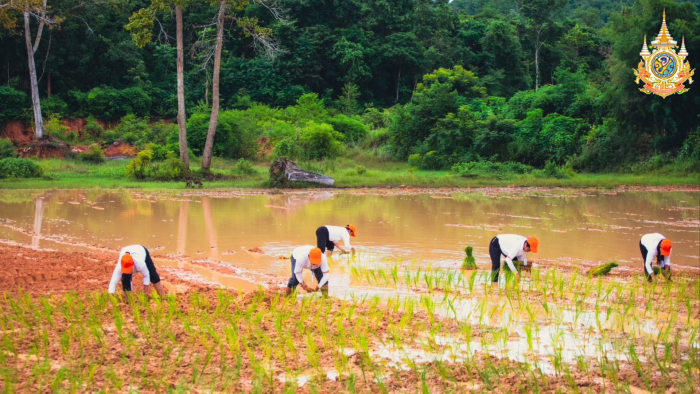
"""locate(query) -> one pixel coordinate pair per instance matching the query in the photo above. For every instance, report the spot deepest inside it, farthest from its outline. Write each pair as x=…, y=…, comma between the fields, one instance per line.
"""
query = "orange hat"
x=533, y=243
x=315, y=256
x=127, y=264
x=353, y=228
x=666, y=247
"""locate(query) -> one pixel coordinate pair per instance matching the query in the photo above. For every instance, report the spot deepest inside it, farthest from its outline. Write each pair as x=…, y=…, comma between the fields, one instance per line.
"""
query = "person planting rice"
x=135, y=258
x=308, y=257
x=327, y=238
x=655, y=244
x=514, y=247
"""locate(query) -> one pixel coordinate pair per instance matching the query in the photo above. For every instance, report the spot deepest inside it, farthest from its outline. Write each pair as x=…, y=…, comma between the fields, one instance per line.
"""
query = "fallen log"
x=284, y=172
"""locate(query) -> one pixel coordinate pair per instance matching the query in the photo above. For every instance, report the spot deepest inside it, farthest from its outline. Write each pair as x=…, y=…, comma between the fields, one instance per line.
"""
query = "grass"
x=356, y=169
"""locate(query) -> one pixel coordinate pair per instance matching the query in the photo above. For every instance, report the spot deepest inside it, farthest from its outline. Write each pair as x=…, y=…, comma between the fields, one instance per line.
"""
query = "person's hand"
x=304, y=286
x=353, y=250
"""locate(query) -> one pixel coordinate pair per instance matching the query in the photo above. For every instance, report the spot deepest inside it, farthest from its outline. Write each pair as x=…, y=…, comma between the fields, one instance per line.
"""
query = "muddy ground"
x=62, y=333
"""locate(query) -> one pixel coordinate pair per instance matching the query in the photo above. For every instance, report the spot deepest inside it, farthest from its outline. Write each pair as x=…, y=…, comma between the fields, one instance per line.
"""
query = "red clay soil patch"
x=41, y=272
x=120, y=148
x=46, y=148
x=19, y=132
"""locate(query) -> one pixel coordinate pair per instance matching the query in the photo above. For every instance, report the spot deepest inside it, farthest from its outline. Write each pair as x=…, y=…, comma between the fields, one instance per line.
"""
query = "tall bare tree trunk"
x=181, y=126
x=36, y=103
x=211, y=133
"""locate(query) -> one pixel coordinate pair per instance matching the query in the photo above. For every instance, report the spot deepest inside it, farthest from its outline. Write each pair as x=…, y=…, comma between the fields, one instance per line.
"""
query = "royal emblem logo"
x=664, y=71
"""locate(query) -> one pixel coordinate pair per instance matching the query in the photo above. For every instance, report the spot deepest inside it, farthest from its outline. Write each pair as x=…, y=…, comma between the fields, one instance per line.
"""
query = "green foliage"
x=94, y=154
x=54, y=106
x=352, y=129
x=552, y=170
x=109, y=103
x=14, y=102
x=490, y=170
x=232, y=140
x=143, y=167
x=361, y=170
x=243, y=167
x=7, y=148
x=19, y=168
x=288, y=147
x=320, y=141
x=93, y=128
x=469, y=261
x=55, y=129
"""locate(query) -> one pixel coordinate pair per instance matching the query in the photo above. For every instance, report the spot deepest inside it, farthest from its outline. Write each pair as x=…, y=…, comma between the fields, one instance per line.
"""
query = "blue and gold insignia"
x=664, y=71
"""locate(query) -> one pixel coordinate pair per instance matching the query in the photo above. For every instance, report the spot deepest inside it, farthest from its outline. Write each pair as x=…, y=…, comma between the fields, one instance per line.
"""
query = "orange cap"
x=127, y=264
x=666, y=247
x=315, y=256
x=533, y=243
x=353, y=228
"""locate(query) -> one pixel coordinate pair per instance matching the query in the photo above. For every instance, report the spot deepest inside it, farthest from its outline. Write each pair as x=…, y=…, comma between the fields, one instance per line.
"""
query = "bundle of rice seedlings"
x=658, y=271
x=469, y=261
x=519, y=265
x=602, y=269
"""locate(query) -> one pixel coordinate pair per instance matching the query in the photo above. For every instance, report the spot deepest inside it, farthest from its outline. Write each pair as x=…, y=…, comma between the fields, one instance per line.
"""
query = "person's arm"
x=650, y=258
x=116, y=275
x=346, y=239
x=298, y=273
x=325, y=269
x=509, y=261
x=667, y=262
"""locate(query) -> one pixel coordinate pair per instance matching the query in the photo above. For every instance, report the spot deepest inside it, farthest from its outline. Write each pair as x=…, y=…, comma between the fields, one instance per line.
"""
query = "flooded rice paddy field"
x=422, y=322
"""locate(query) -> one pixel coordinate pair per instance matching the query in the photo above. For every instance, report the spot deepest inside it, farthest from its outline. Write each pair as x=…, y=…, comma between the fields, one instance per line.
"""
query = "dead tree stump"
x=285, y=172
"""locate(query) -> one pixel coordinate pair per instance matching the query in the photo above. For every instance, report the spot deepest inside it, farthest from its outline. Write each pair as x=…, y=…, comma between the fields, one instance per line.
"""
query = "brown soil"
x=41, y=272
x=46, y=148
x=120, y=148
x=18, y=132
x=256, y=250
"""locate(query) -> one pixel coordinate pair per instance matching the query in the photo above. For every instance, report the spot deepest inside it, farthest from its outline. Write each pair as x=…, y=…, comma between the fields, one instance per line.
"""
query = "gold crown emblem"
x=664, y=71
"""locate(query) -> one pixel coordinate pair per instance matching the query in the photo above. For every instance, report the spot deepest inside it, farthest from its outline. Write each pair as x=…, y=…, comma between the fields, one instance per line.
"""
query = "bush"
x=14, y=103
x=320, y=141
x=55, y=129
x=93, y=128
x=7, y=149
x=490, y=170
x=94, y=154
x=429, y=161
x=109, y=103
x=288, y=148
x=361, y=170
x=243, y=168
x=231, y=140
x=143, y=167
x=352, y=129
x=552, y=170
x=19, y=168
x=54, y=106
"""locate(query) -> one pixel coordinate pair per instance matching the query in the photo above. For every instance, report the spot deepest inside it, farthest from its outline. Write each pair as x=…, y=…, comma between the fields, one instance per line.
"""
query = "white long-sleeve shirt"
x=301, y=261
x=512, y=247
x=337, y=233
x=138, y=253
x=651, y=242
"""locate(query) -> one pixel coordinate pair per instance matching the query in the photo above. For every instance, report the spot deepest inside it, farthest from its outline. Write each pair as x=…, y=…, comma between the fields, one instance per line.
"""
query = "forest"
x=469, y=86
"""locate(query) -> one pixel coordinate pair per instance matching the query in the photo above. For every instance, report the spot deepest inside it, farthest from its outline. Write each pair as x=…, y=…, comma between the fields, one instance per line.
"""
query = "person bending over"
x=652, y=245
x=513, y=247
x=308, y=257
x=327, y=238
x=135, y=258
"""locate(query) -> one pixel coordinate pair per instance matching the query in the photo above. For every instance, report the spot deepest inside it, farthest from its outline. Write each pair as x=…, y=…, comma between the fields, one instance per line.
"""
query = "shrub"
x=143, y=167
x=281, y=130
x=361, y=170
x=320, y=141
x=7, y=148
x=552, y=170
x=55, y=129
x=231, y=139
x=94, y=154
x=109, y=103
x=429, y=161
x=14, y=102
x=19, y=168
x=54, y=106
x=352, y=129
x=243, y=168
x=93, y=128
x=288, y=148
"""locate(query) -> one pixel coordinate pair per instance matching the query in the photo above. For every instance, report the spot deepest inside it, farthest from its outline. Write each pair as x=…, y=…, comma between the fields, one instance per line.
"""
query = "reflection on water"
x=571, y=225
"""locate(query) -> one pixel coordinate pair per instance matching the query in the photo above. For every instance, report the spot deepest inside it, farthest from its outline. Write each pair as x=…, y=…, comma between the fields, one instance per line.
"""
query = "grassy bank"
x=358, y=171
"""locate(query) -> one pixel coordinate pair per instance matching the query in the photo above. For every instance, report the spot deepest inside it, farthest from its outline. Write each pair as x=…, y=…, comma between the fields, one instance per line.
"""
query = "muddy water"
x=434, y=228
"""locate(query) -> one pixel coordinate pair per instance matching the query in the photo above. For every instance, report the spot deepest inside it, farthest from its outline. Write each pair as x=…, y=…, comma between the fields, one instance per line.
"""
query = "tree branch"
x=42, y=22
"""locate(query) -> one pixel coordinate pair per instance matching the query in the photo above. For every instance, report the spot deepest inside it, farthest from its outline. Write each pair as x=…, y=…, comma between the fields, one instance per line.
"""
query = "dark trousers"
x=322, y=241
x=495, y=253
x=645, y=252
x=155, y=278
x=293, y=282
